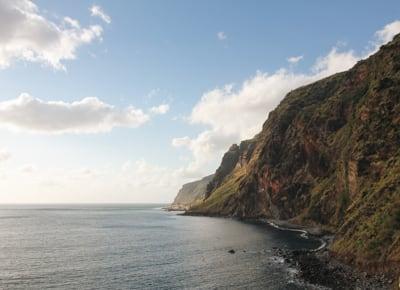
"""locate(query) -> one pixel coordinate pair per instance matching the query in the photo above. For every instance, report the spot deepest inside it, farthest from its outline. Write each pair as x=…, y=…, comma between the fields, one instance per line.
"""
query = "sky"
x=124, y=101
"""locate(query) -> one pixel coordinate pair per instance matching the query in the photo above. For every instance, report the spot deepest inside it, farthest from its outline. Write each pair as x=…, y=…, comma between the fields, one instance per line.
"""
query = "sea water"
x=139, y=247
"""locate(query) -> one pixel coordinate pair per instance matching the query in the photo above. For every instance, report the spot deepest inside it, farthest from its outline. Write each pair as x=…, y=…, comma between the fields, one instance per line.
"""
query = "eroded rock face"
x=236, y=158
x=329, y=154
x=190, y=193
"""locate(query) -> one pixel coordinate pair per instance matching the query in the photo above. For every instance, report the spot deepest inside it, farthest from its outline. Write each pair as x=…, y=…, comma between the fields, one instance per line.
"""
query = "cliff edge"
x=328, y=155
x=190, y=194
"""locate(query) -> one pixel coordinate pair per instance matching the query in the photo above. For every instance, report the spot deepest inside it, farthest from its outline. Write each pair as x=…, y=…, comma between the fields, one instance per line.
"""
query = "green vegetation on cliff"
x=328, y=155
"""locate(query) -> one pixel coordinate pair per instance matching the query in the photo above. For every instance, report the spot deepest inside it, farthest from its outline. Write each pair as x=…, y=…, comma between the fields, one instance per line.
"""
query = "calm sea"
x=138, y=247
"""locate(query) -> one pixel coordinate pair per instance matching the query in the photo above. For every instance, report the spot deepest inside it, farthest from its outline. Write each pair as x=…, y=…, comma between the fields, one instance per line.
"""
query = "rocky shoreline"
x=319, y=268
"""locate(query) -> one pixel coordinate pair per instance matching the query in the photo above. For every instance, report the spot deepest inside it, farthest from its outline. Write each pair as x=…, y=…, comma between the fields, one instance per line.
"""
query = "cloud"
x=72, y=22
x=4, y=155
x=96, y=10
x=28, y=168
x=160, y=110
x=25, y=34
x=142, y=174
x=89, y=115
x=208, y=145
x=387, y=33
x=231, y=115
x=135, y=181
x=181, y=142
x=234, y=113
x=295, y=59
x=86, y=172
x=335, y=61
x=221, y=35
x=153, y=93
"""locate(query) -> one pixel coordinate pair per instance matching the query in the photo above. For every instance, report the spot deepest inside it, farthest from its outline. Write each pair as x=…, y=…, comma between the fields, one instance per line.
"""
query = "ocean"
x=137, y=246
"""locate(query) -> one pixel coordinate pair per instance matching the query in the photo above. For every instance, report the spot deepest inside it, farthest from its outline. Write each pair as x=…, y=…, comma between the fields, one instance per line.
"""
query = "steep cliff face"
x=235, y=158
x=190, y=194
x=328, y=155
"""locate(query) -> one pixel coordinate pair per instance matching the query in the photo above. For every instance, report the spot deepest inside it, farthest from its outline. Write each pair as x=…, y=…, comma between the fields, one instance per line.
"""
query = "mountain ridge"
x=328, y=155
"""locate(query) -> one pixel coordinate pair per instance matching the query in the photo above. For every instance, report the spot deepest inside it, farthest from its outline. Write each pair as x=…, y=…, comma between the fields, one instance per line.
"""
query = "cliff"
x=190, y=193
x=328, y=156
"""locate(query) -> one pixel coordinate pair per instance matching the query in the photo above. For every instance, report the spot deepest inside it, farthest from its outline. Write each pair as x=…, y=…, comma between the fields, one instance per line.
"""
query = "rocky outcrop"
x=190, y=194
x=236, y=157
x=328, y=155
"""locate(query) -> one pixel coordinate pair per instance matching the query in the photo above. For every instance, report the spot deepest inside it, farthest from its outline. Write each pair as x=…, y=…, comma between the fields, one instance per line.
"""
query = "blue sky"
x=156, y=53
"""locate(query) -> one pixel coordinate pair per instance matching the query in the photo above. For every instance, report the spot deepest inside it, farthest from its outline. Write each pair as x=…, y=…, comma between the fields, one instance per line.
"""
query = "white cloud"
x=232, y=114
x=137, y=181
x=89, y=115
x=86, y=172
x=160, y=110
x=221, y=35
x=4, y=155
x=96, y=10
x=153, y=93
x=145, y=175
x=25, y=34
x=181, y=142
x=335, y=61
x=387, y=33
x=294, y=59
x=28, y=168
x=72, y=22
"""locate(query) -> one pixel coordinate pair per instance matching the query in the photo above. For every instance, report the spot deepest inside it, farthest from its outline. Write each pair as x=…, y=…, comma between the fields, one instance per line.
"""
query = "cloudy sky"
x=123, y=101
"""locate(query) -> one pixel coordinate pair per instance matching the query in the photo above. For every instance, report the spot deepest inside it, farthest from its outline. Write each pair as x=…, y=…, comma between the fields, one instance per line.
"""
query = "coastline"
x=318, y=266
x=306, y=232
